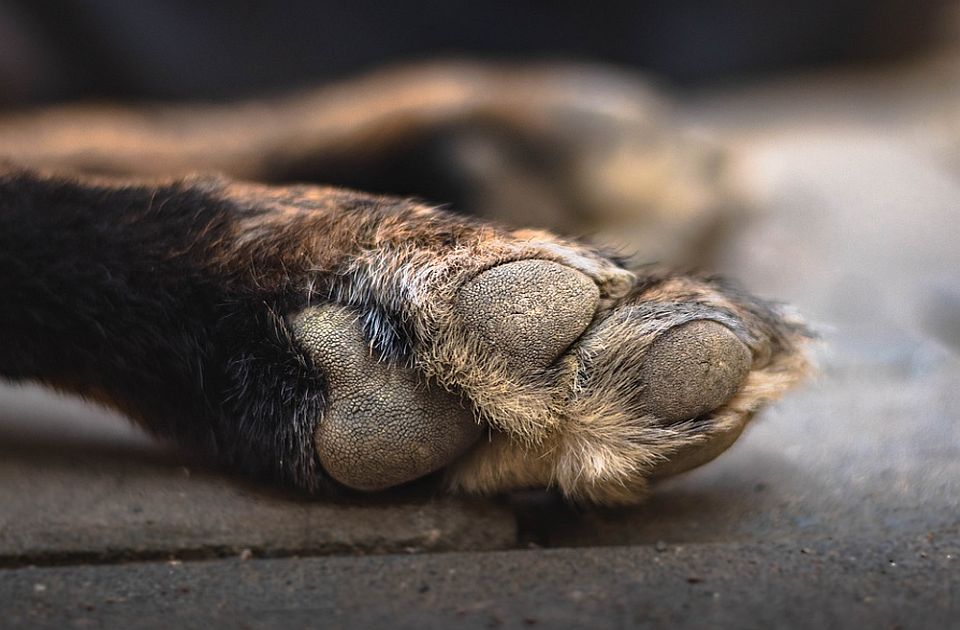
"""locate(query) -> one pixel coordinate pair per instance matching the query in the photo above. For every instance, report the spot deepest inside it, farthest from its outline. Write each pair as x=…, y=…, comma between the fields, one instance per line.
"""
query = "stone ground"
x=839, y=507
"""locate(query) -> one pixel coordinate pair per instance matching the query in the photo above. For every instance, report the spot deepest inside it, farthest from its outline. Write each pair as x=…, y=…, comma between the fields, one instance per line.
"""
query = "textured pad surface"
x=692, y=369
x=383, y=425
x=529, y=310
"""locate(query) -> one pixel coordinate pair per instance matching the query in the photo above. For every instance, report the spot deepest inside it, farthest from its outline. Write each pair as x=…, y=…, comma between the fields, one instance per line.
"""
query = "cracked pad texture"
x=529, y=310
x=692, y=369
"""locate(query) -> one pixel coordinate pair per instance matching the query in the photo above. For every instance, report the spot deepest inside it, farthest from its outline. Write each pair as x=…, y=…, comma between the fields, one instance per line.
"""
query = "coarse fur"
x=172, y=301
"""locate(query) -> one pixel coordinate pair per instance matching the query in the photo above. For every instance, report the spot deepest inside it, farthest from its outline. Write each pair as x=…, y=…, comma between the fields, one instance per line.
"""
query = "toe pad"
x=529, y=310
x=692, y=369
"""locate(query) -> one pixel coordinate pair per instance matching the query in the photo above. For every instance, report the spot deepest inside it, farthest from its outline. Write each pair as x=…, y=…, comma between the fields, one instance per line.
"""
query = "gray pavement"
x=835, y=584
x=839, y=506
x=77, y=484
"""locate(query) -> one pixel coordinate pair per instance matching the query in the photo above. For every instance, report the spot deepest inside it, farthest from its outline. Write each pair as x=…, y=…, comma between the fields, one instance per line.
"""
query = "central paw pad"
x=383, y=426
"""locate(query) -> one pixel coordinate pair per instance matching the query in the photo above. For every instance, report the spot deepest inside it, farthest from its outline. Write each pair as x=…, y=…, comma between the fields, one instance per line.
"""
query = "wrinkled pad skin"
x=530, y=311
x=692, y=369
x=383, y=425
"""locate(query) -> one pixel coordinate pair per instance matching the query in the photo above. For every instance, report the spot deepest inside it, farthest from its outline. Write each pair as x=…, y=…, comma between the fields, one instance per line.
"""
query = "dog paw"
x=577, y=373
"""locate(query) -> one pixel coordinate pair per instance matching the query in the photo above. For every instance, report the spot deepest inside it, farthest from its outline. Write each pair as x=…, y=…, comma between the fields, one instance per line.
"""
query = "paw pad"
x=529, y=311
x=692, y=369
x=383, y=425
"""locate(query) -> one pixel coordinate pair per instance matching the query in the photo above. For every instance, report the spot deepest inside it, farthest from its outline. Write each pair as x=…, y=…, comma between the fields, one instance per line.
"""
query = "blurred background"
x=175, y=49
x=810, y=149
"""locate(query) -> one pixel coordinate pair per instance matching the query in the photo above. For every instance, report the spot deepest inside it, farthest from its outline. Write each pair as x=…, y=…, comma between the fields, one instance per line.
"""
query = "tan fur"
x=603, y=452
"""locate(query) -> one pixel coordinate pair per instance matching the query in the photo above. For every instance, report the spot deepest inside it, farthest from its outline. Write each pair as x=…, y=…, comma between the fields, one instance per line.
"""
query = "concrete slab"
x=908, y=583
x=77, y=483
